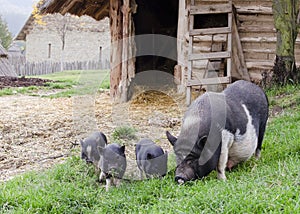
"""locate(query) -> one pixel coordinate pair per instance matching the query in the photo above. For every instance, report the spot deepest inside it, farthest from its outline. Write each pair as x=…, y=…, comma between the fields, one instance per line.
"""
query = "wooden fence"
x=47, y=67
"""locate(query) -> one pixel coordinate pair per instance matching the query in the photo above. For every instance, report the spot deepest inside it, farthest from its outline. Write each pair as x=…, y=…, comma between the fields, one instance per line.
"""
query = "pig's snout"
x=180, y=180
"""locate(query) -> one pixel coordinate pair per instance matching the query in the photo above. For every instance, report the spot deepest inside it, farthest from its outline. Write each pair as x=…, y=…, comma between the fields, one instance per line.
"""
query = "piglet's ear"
x=104, y=137
x=171, y=138
x=122, y=149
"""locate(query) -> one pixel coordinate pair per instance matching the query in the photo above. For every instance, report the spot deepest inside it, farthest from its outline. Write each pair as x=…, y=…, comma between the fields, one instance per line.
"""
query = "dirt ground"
x=38, y=132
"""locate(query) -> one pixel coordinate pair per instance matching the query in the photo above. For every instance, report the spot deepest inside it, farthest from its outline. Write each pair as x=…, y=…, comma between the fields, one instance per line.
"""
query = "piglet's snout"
x=180, y=180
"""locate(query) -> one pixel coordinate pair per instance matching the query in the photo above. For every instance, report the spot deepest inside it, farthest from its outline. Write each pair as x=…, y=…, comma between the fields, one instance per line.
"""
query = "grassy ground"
x=268, y=185
x=66, y=84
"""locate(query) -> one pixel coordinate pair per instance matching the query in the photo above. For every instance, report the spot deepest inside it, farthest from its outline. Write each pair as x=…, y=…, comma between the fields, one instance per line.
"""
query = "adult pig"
x=151, y=159
x=220, y=130
x=89, y=147
x=112, y=164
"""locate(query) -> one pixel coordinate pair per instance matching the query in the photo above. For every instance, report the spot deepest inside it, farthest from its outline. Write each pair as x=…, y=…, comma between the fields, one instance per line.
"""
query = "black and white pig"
x=89, y=147
x=151, y=159
x=220, y=130
x=112, y=164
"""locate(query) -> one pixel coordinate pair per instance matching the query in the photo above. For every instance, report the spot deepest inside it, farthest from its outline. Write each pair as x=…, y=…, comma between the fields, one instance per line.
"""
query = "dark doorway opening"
x=155, y=18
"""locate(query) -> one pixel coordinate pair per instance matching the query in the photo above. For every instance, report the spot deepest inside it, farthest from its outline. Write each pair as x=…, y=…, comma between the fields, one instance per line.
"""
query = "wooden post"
x=239, y=68
x=190, y=65
x=182, y=44
x=129, y=48
x=132, y=45
x=124, y=81
x=116, y=48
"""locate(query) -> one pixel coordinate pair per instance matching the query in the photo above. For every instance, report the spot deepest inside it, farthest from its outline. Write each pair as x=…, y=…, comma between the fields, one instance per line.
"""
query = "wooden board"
x=211, y=9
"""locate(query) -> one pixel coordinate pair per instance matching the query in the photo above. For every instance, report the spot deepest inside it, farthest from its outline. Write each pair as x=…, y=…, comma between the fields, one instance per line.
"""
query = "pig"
x=151, y=159
x=89, y=147
x=112, y=164
x=220, y=130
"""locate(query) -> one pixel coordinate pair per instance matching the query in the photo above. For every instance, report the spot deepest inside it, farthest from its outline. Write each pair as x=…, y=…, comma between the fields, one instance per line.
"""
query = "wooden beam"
x=132, y=44
x=212, y=55
x=229, y=43
x=254, y=10
x=124, y=80
x=209, y=81
x=239, y=64
x=104, y=9
x=116, y=48
x=190, y=63
x=257, y=29
x=211, y=9
x=210, y=31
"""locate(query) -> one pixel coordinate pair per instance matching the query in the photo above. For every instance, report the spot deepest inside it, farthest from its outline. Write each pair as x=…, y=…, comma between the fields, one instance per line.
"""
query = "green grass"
x=124, y=133
x=78, y=82
x=268, y=185
x=21, y=90
x=66, y=84
x=285, y=97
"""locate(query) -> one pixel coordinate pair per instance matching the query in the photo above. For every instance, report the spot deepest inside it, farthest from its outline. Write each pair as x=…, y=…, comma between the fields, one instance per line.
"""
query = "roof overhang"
x=98, y=9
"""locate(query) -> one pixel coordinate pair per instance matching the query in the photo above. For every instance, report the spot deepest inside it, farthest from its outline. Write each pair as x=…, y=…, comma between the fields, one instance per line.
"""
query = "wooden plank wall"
x=258, y=35
x=205, y=44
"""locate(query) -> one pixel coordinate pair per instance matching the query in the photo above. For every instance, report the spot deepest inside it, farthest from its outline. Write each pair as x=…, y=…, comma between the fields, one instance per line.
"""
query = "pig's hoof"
x=257, y=154
x=222, y=177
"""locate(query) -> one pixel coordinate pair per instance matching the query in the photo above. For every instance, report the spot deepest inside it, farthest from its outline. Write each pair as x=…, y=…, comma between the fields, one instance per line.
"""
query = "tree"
x=5, y=35
x=62, y=29
x=287, y=25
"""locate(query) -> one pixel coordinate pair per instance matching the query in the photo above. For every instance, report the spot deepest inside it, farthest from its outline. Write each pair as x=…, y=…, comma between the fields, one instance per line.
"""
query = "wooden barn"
x=5, y=66
x=216, y=41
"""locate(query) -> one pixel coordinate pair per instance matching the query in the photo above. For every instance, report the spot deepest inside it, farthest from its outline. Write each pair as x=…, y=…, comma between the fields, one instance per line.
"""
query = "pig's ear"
x=104, y=137
x=81, y=142
x=100, y=150
x=123, y=149
x=201, y=141
x=171, y=138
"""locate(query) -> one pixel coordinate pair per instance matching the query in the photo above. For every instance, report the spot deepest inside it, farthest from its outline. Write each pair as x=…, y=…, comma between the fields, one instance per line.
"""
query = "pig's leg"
x=141, y=174
x=117, y=182
x=97, y=169
x=108, y=184
x=227, y=140
x=102, y=176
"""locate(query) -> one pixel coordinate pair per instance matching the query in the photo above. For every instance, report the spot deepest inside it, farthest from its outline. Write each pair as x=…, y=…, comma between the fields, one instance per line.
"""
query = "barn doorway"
x=159, y=21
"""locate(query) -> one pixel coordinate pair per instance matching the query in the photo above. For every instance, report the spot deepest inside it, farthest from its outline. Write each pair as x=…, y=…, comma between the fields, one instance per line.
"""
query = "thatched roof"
x=5, y=67
x=98, y=9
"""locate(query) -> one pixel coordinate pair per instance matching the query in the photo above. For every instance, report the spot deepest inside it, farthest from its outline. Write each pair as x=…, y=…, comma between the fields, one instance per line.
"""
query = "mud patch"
x=8, y=82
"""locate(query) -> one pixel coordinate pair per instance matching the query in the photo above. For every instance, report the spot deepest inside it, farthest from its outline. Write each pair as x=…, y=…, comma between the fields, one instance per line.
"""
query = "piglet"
x=89, y=147
x=112, y=164
x=151, y=159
